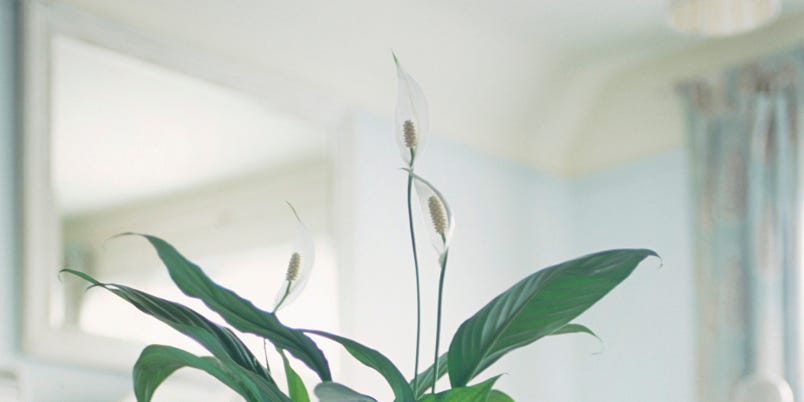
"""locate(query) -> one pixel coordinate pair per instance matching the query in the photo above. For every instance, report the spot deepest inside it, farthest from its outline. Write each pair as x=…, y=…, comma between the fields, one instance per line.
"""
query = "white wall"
x=510, y=221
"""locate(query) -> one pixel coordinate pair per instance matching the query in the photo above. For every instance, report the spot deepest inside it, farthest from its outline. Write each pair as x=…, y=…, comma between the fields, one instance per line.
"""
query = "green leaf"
x=296, y=388
x=579, y=329
x=218, y=340
x=157, y=362
x=576, y=329
x=375, y=360
x=474, y=393
x=499, y=396
x=334, y=392
x=538, y=306
x=426, y=379
x=238, y=312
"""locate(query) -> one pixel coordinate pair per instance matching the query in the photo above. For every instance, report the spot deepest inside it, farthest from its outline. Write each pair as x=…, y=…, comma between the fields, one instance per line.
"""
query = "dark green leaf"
x=579, y=329
x=296, y=388
x=334, y=392
x=499, y=396
x=219, y=341
x=474, y=393
x=426, y=379
x=575, y=329
x=537, y=306
x=375, y=360
x=239, y=312
x=157, y=362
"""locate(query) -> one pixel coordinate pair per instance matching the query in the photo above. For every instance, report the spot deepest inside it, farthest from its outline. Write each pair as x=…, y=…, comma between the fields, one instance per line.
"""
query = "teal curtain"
x=746, y=153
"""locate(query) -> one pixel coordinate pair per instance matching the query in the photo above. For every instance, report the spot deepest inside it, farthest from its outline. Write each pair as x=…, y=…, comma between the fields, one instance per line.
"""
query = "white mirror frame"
x=41, y=248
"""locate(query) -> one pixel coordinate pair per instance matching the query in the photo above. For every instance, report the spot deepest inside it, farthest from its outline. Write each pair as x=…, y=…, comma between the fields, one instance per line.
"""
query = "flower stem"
x=438, y=316
x=265, y=353
x=282, y=300
x=418, y=285
x=284, y=296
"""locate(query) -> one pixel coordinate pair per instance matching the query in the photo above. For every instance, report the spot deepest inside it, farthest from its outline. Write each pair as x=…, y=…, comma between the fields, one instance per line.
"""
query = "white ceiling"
x=512, y=78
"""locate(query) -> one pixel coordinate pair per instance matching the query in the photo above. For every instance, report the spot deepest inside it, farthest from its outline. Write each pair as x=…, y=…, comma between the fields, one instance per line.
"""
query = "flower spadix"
x=440, y=221
x=412, y=120
x=300, y=263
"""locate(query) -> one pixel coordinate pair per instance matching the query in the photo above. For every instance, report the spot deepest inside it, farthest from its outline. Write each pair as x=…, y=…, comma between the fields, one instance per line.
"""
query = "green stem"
x=265, y=353
x=438, y=317
x=284, y=296
x=282, y=300
x=418, y=285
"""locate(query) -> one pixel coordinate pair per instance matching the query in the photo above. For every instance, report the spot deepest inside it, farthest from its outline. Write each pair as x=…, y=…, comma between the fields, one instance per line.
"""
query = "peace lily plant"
x=540, y=305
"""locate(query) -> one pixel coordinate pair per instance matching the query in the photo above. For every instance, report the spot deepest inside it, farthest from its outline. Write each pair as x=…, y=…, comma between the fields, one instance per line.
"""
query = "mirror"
x=125, y=134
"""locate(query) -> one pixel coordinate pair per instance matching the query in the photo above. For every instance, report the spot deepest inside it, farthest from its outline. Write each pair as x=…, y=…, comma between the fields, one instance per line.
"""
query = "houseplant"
x=542, y=304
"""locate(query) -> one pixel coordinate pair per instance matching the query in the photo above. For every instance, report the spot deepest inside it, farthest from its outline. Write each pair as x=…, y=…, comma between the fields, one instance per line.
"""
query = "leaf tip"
x=651, y=253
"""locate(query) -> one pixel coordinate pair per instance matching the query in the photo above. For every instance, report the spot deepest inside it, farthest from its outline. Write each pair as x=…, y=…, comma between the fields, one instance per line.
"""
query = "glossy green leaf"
x=539, y=305
x=579, y=329
x=375, y=360
x=426, y=378
x=157, y=362
x=473, y=393
x=218, y=340
x=296, y=388
x=499, y=396
x=237, y=311
x=334, y=392
x=575, y=329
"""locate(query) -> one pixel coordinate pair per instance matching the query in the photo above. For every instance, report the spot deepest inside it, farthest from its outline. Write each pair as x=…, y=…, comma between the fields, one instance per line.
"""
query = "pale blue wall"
x=647, y=323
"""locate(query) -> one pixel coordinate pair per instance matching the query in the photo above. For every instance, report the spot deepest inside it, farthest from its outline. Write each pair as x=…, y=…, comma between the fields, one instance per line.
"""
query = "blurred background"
x=557, y=129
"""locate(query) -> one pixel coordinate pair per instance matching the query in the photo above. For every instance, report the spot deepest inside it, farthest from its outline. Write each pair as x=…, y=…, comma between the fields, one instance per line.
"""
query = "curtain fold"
x=745, y=149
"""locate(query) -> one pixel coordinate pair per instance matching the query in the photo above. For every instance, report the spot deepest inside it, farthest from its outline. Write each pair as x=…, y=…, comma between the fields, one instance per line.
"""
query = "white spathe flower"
x=300, y=264
x=440, y=221
x=412, y=122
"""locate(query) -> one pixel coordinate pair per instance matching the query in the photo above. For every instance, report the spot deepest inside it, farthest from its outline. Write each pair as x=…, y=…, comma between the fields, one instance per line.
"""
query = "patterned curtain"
x=746, y=154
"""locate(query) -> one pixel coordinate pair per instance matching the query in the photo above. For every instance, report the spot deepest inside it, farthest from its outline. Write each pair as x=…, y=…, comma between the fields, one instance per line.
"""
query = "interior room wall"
x=647, y=324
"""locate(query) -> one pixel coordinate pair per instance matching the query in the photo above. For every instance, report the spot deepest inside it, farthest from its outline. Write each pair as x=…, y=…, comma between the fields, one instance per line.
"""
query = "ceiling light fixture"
x=721, y=17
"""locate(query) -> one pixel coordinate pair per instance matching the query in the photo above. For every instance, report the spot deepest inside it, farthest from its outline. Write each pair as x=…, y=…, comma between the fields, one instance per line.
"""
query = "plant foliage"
x=543, y=304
